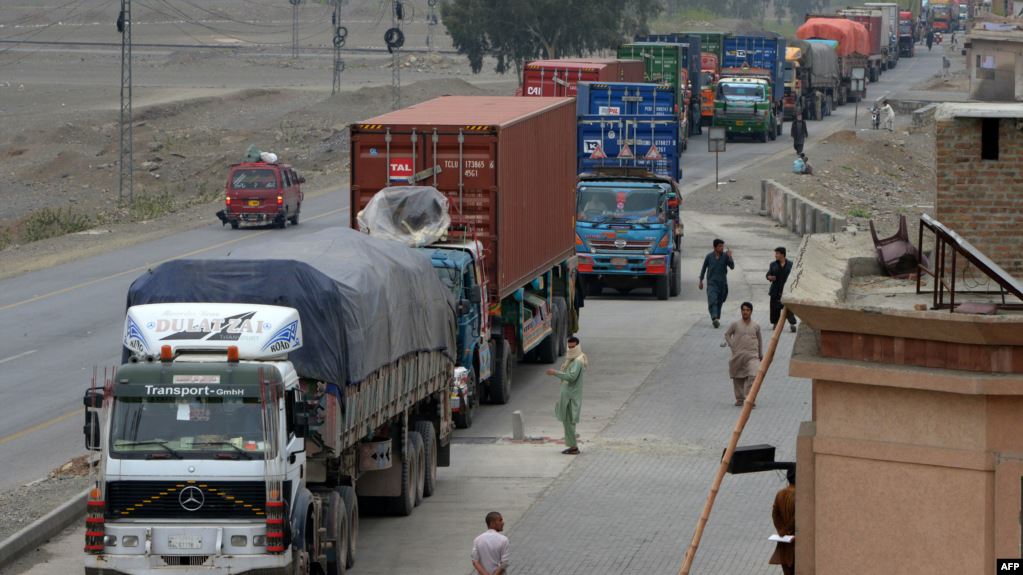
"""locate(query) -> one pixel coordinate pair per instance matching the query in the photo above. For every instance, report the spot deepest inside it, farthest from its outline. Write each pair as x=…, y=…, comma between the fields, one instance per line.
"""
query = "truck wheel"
x=499, y=387
x=352, y=506
x=425, y=430
x=561, y=312
x=281, y=221
x=764, y=136
x=661, y=287
x=294, y=219
x=235, y=224
x=463, y=419
x=337, y=529
x=594, y=287
x=403, y=504
x=547, y=351
x=772, y=135
x=676, y=276
x=419, y=477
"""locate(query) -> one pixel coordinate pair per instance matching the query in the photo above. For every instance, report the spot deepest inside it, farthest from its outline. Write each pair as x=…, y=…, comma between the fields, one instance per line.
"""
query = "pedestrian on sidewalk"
x=945, y=65
x=778, y=273
x=490, y=549
x=570, y=401
x=715, y=267
x=799, y=133
x=743, y=336
x=784, y=515
x=888, y=115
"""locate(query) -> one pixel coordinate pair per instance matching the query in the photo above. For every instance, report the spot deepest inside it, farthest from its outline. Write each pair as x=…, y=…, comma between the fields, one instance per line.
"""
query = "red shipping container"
x=871, y=20
x=558, y=78
x=851, y=36
x=510, y=181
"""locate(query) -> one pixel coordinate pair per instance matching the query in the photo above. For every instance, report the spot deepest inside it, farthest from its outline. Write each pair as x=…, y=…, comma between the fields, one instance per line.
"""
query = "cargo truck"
x=558, y=78
x=889, y=29
x=628, y=232
x=676, y=64
x=907, y=36
x=710, y=72
x=750, y=93
x=261, y=401
x=850, y=42
x=877, y=59
x=943, y=15
x=628, y=125
x=507, y=168
x=811, y=79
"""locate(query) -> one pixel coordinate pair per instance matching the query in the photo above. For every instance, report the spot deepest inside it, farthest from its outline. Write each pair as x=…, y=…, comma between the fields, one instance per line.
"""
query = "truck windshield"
x=452, y=278
x=641, y=205
x=741, y=91
x=254, y=179
x=192, y=428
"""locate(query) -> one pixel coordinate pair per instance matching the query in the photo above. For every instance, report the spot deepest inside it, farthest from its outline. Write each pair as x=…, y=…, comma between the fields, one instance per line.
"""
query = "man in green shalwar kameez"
x=571, y=400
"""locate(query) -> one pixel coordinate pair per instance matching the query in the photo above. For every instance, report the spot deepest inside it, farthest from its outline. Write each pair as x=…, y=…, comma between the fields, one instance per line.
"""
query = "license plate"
x=184, y=542
x=739, y=122
x=619, y=262
x=253, y=203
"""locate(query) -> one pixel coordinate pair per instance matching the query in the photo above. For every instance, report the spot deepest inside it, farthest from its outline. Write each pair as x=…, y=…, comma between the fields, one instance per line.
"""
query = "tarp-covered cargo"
x=364, y=302
x=820, y=59
x=416, y=216
x=852, y=37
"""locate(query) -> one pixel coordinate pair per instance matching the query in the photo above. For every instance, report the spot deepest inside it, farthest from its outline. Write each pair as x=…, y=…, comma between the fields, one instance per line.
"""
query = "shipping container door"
x=610, y=135
x=623, y=99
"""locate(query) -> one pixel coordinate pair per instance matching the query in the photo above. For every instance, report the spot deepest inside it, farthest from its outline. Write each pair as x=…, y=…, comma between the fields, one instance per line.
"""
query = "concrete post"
x=518, y=427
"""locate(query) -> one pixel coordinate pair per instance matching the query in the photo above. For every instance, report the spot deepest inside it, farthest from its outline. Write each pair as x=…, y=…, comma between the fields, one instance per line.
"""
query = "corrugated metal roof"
x=468, y=110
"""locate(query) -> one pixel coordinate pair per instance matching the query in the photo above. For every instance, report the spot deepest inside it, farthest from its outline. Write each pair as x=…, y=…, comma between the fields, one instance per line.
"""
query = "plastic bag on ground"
x=413, y=215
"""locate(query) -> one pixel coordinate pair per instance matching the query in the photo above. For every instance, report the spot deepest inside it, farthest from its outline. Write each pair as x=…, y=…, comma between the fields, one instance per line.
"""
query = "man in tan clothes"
x=743, y=336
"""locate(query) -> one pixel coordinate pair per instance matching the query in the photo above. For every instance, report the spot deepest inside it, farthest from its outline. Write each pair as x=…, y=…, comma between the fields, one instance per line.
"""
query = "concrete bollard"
x=518, y=427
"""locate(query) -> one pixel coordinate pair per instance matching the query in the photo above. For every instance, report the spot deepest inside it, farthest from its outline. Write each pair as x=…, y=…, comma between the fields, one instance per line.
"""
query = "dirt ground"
x=197, y=107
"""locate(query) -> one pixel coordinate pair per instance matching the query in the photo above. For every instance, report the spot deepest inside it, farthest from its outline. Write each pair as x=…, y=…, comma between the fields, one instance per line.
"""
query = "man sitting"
x=801, y=165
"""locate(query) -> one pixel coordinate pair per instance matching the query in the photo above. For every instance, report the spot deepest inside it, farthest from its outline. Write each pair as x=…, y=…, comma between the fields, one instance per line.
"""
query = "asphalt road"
x=64, y=321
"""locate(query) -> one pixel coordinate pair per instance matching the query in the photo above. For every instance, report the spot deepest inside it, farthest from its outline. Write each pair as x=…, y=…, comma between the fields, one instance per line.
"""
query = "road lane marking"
x=20, y=355
x=151, y=264
x=38, y=426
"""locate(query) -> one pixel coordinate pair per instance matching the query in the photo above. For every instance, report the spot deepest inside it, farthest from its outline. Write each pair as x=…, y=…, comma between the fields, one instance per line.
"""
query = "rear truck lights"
x=95, y=524
x=655, y=265
x=586, y=264
x=227, y=201
x=280, y=200
x=239, y=541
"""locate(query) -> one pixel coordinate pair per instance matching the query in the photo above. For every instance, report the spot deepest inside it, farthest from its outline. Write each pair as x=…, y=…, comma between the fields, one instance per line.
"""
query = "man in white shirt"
x=490, y=549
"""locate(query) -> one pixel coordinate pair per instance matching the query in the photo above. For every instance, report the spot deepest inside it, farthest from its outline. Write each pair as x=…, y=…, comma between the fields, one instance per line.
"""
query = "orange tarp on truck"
x=852, y=37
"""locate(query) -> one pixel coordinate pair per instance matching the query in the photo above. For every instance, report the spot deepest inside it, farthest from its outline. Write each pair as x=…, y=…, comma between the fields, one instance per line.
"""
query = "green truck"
x=671, y=64
x=744, y=105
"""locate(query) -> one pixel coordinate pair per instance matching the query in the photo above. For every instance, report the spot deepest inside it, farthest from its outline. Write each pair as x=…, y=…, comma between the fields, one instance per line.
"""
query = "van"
x=262, y=193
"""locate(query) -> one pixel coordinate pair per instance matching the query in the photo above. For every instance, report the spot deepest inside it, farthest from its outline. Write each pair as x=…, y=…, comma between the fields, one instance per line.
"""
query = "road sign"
x=653, y=154
x=598, y=153
x=626, y=153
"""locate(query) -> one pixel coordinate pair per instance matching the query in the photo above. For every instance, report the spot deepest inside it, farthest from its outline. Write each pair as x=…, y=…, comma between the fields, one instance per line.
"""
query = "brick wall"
x=982, y=200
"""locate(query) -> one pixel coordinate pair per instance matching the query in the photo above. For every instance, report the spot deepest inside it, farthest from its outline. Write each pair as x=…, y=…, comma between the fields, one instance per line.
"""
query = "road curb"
x=42, y=529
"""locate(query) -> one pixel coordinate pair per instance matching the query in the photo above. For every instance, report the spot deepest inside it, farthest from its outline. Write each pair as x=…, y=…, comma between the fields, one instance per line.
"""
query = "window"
x=989, y=138
x=286, y=177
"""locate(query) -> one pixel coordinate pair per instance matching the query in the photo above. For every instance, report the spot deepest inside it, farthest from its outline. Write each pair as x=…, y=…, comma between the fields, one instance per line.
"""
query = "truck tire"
x=336, y=523
x=463, y=419
x=561, y=312
x=294, y=219
x=235, y=224
x=661, y=287
x=676, y=275
x=402, y=505
x=773, y=134
x=281, y=221
x=352, y=506
x=594, y=287
x=419, y=477
x=547, y=351
x=499, y=386
x=425, y=430
x=765, y=135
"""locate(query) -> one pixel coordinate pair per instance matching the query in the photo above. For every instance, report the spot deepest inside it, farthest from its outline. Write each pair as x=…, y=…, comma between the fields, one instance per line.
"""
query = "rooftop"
x=951, y=110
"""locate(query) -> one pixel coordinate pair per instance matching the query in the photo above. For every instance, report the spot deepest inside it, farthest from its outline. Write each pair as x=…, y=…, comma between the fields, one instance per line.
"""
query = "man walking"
x=799, y=133
x=778, y=273
x=888, y=115
x=570, y=401
x=715, y=267
x=490, y=549
x=784, y=516
x=743, y=336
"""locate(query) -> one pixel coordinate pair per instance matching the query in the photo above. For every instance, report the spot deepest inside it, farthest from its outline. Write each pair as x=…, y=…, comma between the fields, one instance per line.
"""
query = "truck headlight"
x=259, y=540
x=110, y=540
x=239, y=540
x=130, y=540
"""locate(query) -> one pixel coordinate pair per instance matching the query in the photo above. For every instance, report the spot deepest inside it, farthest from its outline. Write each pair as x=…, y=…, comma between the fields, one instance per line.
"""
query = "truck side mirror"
x=301, y=415
x=301, y=179
x=463, y=306
x=475, y=294
x=91, y=431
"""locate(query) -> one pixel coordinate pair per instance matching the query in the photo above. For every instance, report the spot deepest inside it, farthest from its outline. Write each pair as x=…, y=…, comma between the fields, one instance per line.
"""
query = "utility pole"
x=395, y=38
x=124, y=189
x=294, y=27
x=340, y=34
x=431, y=25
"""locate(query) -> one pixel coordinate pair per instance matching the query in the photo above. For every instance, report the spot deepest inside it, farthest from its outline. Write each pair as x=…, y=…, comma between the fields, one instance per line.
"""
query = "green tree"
x=514, y=31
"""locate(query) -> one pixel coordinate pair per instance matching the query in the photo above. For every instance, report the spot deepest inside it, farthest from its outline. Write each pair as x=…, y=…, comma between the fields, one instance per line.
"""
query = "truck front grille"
x=186, y=499
x=629, y=245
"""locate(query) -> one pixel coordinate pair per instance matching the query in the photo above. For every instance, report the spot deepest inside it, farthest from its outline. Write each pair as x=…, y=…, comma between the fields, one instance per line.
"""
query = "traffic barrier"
x=796, y=212
x=42, y=529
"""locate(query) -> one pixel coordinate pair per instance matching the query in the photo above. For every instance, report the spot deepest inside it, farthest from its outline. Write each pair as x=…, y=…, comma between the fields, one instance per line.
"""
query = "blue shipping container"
x=624, y=99
x=757, y=52
x=611, y=133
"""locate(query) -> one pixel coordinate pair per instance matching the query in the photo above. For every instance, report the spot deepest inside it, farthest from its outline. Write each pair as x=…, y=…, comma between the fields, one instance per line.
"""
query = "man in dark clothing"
x=715, y=268
x=799, y=133
x=778, y=274
x=930, y=39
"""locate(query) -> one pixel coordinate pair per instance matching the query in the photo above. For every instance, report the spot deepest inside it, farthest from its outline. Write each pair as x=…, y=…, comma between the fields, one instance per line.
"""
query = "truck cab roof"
x=202, y=378
x=625, y=174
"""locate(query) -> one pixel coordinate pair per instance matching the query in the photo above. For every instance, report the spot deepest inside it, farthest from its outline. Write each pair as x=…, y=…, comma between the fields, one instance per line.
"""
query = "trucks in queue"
x=811, y=79
x=558, y=78
x=889, y=29
x=510, y=200
x=710, y=72
x=628, y=232
x=943, y=15
x=677, y=64
x=877, y=58
x=628, y=125
x=850, y=41
x=750, y=93
x=251, y=418
x=907, y=36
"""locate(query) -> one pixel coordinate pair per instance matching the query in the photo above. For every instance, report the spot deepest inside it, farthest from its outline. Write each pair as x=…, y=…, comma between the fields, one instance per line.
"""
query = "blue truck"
x=628, y=231
x=614, y=115
x=751, y=92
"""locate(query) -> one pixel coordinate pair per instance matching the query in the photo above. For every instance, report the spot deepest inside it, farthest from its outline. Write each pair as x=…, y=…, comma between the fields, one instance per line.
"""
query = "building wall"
x=992, y=69
x=982, y=200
